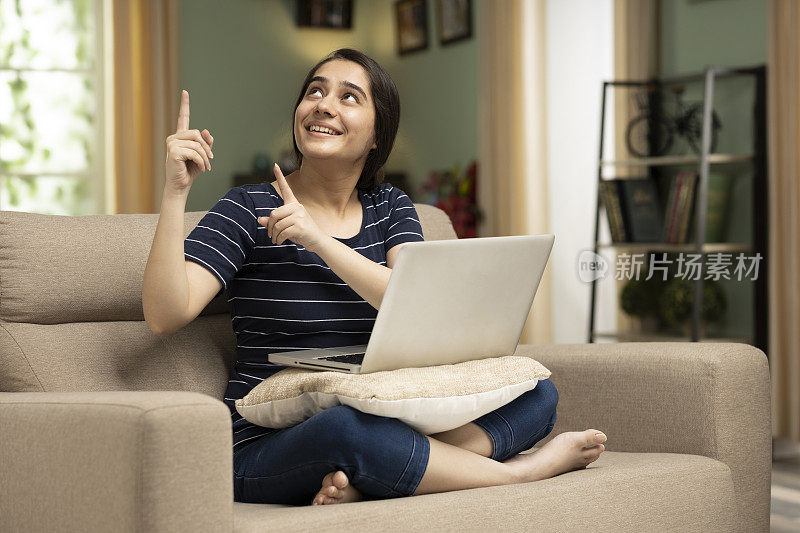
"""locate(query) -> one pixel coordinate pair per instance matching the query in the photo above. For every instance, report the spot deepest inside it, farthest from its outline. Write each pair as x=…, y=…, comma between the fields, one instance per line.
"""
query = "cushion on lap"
x=429, y=399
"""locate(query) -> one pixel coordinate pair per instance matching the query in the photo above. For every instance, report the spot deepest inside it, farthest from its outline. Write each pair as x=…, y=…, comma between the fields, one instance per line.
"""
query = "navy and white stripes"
x=283, y=297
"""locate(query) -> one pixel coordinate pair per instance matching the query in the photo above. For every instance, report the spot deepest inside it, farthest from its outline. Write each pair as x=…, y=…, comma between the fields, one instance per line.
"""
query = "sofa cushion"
x=59, y=269
x=429, y=399
x=620, y=492
x=120, y=355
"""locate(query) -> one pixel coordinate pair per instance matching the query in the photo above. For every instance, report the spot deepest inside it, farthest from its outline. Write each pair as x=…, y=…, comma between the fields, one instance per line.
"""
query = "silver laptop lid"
x=455, y=300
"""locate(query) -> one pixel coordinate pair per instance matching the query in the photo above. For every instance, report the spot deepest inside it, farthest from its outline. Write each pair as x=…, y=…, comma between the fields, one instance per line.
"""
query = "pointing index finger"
x=288, y=195
x=183, y=113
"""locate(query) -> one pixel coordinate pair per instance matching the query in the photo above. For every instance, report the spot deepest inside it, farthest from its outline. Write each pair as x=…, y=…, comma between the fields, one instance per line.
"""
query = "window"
x=51, y=106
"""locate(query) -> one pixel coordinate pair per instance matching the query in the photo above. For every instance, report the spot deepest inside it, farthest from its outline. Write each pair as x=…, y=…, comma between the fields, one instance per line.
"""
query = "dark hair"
x=386, y=101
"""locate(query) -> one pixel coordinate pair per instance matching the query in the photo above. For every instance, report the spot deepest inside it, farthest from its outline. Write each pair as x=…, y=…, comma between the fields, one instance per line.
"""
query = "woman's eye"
x=313, y=89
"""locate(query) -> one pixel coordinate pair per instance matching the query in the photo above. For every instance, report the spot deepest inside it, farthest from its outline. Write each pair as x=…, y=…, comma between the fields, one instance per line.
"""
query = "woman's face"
x=347, y=109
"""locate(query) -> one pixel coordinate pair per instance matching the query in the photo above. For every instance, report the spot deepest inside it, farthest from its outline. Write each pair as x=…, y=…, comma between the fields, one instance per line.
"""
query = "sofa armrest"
x=710, y=399
x=115, y=461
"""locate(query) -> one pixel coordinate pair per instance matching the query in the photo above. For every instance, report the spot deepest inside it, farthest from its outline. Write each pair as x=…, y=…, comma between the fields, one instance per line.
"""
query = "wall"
x=243, y=62
x=712, y=32
x=439, y=96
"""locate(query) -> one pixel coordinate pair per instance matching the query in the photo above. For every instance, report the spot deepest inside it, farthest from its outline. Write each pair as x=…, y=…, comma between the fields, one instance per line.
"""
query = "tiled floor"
x=785, y=509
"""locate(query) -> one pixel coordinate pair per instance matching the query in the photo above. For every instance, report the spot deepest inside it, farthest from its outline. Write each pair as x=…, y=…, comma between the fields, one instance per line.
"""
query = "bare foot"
x=336, y=488
x=572, y=450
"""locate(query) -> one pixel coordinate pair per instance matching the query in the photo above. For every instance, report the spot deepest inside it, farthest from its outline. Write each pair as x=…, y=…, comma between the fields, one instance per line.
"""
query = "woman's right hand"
x=188, y=151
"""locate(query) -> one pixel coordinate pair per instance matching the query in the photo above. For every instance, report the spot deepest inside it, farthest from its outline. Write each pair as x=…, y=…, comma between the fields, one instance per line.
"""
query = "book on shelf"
x=718, y=196
x=640, y=207
x=609, y=194
x=681, y=212
x=687, y=207
x=669, y=208
x=678, y=207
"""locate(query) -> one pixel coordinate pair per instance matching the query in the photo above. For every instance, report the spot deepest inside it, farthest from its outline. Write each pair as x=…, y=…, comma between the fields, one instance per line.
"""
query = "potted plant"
x=676, y=301
x=639, y=300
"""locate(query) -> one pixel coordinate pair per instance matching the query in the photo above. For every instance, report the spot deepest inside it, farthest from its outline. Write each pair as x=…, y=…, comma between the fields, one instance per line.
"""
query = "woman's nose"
x=324, y=105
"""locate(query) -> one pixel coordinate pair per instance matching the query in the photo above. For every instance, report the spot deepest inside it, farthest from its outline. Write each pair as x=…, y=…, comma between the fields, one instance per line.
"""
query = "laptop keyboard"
x=352, y=358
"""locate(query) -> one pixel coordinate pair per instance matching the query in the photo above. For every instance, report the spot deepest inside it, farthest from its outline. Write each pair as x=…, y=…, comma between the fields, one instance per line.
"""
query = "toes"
x=595, y=450
x=340, y=480
x=593, y=438
x=321, y=499
x=593, y=453
x=333, y=485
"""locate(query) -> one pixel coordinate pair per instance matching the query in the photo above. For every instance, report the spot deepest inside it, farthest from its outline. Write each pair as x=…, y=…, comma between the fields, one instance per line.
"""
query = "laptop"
x=447, y=301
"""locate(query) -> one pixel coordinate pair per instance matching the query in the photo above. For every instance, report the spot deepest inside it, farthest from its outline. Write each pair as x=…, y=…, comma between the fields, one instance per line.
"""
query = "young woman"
x=306, y=260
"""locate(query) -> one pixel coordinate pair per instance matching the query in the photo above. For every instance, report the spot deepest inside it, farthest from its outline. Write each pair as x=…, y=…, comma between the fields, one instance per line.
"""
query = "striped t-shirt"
x=281, y=296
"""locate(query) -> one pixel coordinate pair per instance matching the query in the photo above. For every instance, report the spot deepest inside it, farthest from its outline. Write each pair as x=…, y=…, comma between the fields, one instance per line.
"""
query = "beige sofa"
x=105, y=426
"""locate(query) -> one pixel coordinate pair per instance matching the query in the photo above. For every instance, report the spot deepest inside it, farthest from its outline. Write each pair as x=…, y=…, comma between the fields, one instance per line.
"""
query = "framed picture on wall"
x=455, y=20
x=412, y=25
x=324, y=13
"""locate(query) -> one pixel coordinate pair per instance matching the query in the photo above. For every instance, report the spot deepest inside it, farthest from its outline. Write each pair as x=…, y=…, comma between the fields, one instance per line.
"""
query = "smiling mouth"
x=321, y=134
x=308, y=129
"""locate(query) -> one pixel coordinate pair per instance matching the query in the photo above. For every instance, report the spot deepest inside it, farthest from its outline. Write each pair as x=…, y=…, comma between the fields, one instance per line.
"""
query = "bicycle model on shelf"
x=652, y=133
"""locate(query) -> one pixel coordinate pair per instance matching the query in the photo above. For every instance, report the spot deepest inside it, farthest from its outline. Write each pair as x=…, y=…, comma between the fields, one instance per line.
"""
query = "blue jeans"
x=382, y=457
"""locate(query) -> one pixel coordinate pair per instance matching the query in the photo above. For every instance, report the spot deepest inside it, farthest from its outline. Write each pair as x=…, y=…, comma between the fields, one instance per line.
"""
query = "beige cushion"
x=429, y=399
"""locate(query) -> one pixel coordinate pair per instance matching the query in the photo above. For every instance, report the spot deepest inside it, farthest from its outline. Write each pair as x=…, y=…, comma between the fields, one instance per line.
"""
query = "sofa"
x=106, y=426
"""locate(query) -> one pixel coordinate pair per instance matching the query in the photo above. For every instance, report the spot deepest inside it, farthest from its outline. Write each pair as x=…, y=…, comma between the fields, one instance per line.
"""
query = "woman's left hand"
x=291, y=220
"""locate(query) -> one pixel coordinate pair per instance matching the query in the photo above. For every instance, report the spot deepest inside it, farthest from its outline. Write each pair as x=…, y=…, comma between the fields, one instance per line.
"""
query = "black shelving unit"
x=705, y=159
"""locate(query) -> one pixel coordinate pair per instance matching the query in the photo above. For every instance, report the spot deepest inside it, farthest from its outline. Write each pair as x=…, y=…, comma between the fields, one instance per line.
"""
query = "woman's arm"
x=366, y=277
x=166, y=283
x=165, y=288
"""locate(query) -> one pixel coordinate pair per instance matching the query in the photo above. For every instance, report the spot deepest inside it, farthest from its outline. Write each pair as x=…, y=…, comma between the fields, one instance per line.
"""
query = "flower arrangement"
x=454, y=193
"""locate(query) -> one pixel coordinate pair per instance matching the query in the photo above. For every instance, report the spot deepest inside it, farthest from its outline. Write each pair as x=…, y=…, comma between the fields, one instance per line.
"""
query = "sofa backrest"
x=71, y=314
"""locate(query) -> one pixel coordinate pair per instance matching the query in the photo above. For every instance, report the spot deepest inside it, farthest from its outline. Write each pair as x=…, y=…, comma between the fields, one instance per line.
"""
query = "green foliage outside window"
x=48, y=106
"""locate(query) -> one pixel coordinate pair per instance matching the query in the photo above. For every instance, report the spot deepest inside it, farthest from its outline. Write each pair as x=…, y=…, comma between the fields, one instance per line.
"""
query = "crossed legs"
x=473, y=441
x=466, y=457
x=469, y=437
